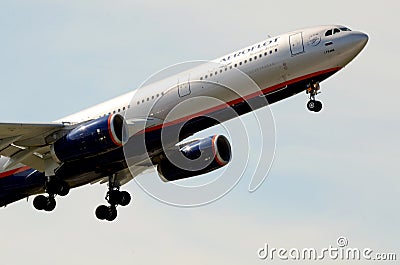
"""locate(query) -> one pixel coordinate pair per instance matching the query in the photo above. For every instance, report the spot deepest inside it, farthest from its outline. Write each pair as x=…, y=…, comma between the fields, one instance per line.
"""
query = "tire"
x=318, y=106
x=53, y=187
x=112, y=213
x=124, y=198
x=113, y=197
x=58, y=187
x=63, y=189
x=102, y=212
x=311, y=105
x=40, y=202
x=50, y=205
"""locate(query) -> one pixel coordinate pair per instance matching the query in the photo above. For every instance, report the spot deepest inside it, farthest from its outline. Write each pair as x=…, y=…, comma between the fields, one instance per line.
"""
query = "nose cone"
x=359, y=40
x=351, y=45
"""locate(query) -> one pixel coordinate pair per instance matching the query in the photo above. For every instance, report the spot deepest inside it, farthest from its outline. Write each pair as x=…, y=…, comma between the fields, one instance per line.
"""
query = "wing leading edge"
x=28, y=143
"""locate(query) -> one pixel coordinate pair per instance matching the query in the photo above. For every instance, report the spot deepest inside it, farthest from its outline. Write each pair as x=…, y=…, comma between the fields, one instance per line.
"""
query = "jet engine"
x=195, y=158
x=90, y=139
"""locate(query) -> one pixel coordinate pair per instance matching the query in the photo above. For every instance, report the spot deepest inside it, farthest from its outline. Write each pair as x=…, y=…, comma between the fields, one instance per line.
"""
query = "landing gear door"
x=296, y=43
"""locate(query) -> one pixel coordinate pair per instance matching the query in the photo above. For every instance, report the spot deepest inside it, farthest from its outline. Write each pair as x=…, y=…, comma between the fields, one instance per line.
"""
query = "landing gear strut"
x=53, y=187
x=313, y=90
x=114, y=197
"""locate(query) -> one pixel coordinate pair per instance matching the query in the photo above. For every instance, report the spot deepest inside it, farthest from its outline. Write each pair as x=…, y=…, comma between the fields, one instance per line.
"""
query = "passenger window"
x=328, y=33
x=336, y=31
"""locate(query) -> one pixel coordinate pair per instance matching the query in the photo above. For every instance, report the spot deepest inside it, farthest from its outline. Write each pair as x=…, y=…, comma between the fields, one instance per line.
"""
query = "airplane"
x=115, y=141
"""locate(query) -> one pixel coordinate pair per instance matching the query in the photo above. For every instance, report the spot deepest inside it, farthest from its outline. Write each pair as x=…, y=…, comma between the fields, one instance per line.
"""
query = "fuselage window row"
x=119, y=110
x=240, y=63
x=148, y=98
x=216, y=72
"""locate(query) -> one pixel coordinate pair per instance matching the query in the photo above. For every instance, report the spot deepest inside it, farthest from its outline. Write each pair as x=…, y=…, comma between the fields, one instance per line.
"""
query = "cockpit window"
x=328, y=33
x=336, y=30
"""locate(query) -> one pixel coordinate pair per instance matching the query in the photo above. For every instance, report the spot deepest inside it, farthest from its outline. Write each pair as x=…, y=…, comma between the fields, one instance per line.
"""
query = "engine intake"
x=203, y=156
x=89, y=139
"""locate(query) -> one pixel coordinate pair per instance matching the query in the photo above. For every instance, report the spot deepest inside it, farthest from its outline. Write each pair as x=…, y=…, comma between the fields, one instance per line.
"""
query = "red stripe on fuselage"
x=13, y=171
x=240, y=100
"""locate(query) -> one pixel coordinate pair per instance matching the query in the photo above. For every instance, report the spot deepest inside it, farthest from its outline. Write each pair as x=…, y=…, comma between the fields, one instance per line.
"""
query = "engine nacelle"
x=202, y=156
x=89, y=139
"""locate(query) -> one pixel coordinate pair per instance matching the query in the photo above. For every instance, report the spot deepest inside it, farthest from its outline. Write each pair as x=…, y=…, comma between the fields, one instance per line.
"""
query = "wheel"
x=50, y=204
x=102, y=212
x=317, y=106
x=58, y=187
x=52, y=187
x=112, y=213
x=63, y=189
x=124, y=198
x=113, y=197
x=40, y=202
x=311, y=105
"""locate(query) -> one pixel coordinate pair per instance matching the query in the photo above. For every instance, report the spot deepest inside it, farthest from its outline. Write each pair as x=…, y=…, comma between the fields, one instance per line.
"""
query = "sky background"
x=335, y=173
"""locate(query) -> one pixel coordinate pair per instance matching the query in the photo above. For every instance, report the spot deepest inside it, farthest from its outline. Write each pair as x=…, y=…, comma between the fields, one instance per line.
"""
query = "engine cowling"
x=89, y=139
x=202, y=156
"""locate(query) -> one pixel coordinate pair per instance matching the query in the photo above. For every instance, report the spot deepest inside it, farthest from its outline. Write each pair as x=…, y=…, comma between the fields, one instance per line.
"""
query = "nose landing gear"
x=114, y=197
x=312, y=104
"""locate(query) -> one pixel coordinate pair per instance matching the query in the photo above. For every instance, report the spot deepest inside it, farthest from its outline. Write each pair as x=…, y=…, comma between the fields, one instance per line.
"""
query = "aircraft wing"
x=28, y=143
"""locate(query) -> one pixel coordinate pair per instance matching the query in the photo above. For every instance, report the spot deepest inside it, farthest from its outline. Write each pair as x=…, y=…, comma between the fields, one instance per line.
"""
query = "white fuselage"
x=269, y=63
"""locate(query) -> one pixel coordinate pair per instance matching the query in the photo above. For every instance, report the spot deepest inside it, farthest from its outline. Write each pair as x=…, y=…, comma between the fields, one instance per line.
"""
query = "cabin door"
x=296, y=43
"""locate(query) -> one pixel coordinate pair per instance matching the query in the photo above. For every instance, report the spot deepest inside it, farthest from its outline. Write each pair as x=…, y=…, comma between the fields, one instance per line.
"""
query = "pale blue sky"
x=335, y=173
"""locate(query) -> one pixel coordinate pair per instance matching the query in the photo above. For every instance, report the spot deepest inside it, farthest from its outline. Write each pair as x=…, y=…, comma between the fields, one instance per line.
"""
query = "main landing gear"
x=313, y=90
x=53, y=187
x=114, y=197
